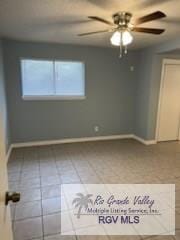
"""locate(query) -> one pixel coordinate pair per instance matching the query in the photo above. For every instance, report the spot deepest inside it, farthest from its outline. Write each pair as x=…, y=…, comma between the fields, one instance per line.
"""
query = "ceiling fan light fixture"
x=122, y=28
x=116, y=38
x=124, y=36
x=127, y=38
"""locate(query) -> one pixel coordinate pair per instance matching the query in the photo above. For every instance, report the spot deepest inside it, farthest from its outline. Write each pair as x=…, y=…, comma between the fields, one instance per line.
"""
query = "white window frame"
x=52, y=97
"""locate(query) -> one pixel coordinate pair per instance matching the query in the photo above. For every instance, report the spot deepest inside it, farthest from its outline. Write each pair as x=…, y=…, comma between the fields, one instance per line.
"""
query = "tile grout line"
x=42, y=219
x=18, y=189
x=54, y=154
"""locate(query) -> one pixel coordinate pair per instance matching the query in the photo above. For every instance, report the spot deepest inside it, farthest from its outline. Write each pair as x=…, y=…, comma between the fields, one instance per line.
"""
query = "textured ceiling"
x=61, y=20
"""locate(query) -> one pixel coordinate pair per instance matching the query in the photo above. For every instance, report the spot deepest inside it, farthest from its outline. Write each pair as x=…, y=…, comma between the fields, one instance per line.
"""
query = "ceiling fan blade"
x=148, y=30
x=101, y=20
x=89, y=33
x=150, y=17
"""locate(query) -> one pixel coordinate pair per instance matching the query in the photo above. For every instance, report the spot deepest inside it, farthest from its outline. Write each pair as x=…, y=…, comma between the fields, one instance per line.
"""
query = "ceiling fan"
x=122, y=27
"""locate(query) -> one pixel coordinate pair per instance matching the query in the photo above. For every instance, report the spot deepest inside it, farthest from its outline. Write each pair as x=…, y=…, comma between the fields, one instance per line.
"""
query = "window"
x=44, y=79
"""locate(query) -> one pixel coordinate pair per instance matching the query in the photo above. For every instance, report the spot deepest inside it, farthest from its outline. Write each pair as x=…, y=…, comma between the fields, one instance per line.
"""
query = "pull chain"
x=121, y=47
x=120, y=52
x=125, y=49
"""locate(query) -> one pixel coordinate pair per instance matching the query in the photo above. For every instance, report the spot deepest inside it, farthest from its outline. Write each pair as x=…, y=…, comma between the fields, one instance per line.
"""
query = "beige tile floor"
x=37, y=173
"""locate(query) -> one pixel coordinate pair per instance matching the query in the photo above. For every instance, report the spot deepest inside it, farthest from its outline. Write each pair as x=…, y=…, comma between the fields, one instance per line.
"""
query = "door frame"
x=166, y=61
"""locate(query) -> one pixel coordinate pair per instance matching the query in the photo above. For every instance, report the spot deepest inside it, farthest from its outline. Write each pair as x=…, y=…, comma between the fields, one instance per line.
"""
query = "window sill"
x=55, y=98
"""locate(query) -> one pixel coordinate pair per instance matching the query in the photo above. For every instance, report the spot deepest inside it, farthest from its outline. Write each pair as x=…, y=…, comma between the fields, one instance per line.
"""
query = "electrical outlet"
x=96, y=128
x=132, y=68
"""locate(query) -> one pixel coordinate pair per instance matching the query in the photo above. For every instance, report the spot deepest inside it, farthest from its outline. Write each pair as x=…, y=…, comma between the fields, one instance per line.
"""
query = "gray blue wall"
x=142, y=98
x=148, y=87
x=3, y=104
x=117, y=100
x=110, y=94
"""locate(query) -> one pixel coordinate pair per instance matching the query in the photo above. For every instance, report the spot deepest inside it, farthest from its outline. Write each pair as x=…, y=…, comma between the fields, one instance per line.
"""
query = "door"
x=169, y=119
x=5, y=220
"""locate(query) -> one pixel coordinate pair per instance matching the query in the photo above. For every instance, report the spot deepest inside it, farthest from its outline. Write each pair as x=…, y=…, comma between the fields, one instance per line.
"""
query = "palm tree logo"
x=82, y=201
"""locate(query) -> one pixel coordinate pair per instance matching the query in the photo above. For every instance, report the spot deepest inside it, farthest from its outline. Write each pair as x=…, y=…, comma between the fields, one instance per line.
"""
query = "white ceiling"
x=61, y=20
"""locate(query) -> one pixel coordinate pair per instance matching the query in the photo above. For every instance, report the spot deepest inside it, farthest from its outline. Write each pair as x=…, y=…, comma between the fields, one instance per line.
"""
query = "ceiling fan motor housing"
x=122, y=19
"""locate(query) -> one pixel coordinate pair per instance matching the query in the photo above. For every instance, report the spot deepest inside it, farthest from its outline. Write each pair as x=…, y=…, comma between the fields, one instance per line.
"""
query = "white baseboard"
x=145, y=142
x=9, y=152
x=71, y=140
x=76, y=140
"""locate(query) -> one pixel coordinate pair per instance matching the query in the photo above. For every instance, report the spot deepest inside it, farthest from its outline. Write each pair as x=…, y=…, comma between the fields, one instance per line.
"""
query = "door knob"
x=12, y=196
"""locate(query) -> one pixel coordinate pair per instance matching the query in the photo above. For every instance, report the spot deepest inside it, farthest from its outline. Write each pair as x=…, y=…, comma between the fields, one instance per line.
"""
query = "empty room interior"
x=89, y=120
